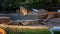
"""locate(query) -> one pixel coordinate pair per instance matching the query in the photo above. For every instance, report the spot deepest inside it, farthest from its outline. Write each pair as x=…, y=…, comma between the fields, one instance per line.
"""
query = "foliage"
x=39, y=5
x=10, y=4
x=14, y=4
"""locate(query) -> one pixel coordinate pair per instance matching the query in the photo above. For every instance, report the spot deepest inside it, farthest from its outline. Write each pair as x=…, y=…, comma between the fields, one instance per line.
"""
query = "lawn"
x=28, y=31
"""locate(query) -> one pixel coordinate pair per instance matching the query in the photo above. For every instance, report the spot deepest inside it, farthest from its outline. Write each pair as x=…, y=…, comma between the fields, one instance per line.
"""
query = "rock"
x=31, y=22
x=42, y=16
x=43, y=11
x=4, y=20
x=23, y=11
x=51, y=15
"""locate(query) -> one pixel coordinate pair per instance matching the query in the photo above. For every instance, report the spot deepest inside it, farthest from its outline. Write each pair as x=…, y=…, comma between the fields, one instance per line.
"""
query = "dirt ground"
x=30, y=27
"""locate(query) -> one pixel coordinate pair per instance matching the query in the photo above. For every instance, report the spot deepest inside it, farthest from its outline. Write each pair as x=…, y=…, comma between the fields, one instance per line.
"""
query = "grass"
x=56, y=32
x=28, y=31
